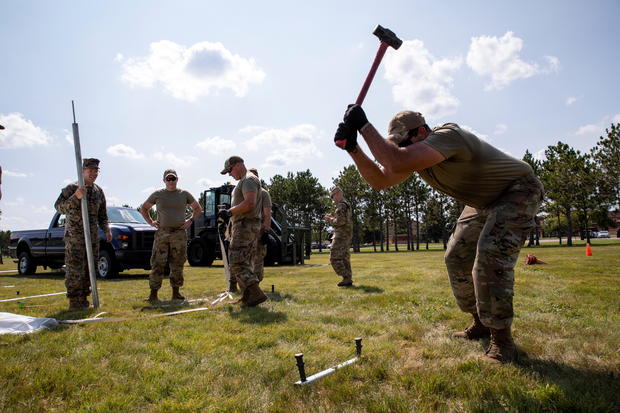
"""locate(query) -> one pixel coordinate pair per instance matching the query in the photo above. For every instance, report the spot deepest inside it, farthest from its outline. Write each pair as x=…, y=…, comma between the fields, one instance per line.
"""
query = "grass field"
x=232, y=359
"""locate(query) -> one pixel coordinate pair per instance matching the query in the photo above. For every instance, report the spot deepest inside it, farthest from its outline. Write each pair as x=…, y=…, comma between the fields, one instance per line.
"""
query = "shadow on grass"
x=366, y=288
x=277, y=297
x=569, y=389
x=257, y=315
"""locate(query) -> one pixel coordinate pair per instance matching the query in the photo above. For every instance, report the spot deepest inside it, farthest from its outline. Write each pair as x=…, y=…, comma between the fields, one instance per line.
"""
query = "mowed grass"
x=242, y=360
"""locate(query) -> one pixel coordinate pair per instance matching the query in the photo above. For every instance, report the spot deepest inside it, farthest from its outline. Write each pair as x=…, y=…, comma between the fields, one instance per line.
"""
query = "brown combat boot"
x=176, y=295
x=253, y=296
x=501, y=349
x=232, y=287
x=346, y=282
x=153, y=297
x=475, y=331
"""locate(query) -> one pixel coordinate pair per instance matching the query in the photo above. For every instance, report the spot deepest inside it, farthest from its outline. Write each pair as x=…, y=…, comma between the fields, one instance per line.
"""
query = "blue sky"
x=184, y=84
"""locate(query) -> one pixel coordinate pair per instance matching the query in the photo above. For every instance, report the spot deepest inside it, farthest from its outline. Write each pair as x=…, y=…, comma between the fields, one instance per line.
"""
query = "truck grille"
x=144, y=240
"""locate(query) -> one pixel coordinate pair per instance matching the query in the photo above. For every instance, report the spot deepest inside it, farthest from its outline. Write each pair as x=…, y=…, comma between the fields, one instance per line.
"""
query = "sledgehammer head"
x=387, y=36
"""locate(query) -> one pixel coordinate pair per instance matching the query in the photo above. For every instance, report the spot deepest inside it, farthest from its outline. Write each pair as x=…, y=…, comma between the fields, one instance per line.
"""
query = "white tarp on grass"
x=21, y=324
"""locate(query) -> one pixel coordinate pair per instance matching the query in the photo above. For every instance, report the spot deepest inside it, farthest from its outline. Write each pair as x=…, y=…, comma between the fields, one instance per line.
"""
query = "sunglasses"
x=171, y=178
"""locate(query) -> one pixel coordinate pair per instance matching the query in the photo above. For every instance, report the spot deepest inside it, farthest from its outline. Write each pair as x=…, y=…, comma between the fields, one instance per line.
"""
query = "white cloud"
x=570, y=100
x=420, y=81
x=216, y=145
x=124, y=151
x=209, y=183
x=20, y=132
x=14, y=174
x=288, y=146
x=68, y=136
x=113, y=201
x=119, y=57
x=149, y=190
x=19, y=201
x=500, y=128
x=174, y=160
x=252, y=129
x=45, y=210
x=68, y=181
x=189, y=73
x=598, y=129
x=499, y=59
x=540, y=155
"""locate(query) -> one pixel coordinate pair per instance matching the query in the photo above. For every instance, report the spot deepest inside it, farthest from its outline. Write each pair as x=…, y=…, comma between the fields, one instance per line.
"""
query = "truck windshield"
x=125, y=215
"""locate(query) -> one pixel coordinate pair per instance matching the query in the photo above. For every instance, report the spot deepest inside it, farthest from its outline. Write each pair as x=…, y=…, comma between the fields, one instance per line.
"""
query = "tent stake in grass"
x=303, y=380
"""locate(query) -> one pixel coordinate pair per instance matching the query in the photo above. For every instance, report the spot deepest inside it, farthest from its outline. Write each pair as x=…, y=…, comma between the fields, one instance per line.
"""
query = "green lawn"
x=234, y=359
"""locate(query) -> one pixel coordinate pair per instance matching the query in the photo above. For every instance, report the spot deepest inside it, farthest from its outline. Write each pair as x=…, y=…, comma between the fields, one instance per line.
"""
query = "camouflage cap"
x=90, y=163
x=402, y=123
x=172, y=172
x=230, y=162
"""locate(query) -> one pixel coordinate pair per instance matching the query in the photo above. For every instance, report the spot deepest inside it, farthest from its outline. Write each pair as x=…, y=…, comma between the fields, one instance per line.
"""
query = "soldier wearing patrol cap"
x=244, y=216
x=501, y=194
x=342, y=222
x=77, y=280
x=170, y=245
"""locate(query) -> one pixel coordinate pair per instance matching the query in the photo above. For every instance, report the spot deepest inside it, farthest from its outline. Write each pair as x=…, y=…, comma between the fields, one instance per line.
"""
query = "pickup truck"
x=132, y=241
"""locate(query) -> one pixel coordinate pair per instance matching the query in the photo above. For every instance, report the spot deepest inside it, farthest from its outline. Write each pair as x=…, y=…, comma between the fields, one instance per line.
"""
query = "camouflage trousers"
x=484, y=249
x=77, y=280
x=259, y=259
x=340, y=257
x=169, y=247
x=243, y=237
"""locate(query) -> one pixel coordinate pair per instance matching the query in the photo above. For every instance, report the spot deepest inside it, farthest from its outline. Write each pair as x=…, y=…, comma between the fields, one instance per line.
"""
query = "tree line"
x=580, y=188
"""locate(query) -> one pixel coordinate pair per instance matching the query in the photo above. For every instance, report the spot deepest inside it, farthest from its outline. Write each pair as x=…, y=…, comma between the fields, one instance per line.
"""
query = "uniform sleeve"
x=189, y=198
x=67, y=202
x=102, y=214
x=152, y=199
x=341, y=215
x=251, y=184
x=446, y=141
x=266, y=199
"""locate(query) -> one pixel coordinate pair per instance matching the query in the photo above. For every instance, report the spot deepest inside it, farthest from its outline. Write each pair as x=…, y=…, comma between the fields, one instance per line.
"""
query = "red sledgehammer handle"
x=371, y=74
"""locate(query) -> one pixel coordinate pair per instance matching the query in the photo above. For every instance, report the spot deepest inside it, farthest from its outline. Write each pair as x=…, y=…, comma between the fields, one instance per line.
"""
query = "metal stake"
x=87, y=239
x=300, y=365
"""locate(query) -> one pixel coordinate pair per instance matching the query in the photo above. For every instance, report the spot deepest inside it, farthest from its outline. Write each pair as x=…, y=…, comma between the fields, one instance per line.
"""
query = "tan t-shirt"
x=474, y=171
x=249, y=183
x=171, y=206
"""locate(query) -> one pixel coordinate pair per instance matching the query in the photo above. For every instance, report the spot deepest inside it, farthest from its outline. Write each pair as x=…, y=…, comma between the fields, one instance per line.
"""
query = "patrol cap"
x=230, y=162
x=169, y=172
x=402, y=123
x=90, y=163
x=254, y=171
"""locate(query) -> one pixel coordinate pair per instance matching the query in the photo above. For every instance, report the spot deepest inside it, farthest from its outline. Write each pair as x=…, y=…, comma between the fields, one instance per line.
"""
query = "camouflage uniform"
x=169, y=247
x=261, y=249
x=484, y=248
x=77, y=280
x=339, y=255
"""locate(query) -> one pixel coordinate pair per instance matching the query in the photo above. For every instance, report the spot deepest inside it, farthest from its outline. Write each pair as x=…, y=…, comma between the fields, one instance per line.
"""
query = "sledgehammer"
x=387, y=38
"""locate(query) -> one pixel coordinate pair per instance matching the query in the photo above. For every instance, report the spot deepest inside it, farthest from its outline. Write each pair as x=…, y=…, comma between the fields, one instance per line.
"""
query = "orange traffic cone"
x=588, y=250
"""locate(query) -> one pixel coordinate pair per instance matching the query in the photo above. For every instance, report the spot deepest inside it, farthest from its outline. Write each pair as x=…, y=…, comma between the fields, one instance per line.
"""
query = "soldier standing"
x=339, y=255
x=170, y=245
x=77, y=280
x=501, y=194
x=244, y=216
x=264, y=202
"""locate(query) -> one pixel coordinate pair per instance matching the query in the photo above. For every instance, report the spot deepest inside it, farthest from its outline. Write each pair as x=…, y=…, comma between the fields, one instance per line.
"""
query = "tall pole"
x=87, y=235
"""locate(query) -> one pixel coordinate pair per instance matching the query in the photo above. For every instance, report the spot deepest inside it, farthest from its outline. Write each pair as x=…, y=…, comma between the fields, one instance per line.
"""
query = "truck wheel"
x=200, y=253
x=106, y=267
x=26, y=264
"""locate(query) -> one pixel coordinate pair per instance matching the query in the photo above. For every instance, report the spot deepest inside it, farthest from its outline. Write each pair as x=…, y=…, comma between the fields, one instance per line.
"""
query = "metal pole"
x=307, y=380
x=87, y=239
x=300, y=366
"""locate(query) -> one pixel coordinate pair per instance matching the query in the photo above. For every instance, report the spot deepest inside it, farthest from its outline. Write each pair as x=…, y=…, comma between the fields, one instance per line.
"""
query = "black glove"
x=345, y=137
x=223, y=215
x=355, y=117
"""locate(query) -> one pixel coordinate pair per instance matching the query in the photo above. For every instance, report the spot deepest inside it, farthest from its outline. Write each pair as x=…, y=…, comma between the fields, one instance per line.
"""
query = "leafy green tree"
x=353, y=188
x=606, y=157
